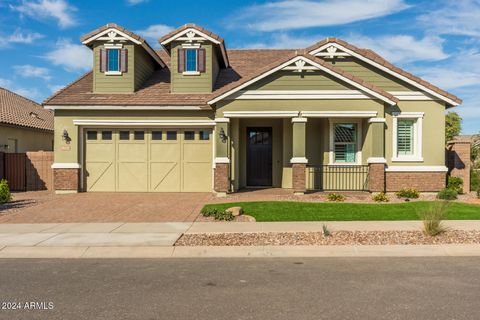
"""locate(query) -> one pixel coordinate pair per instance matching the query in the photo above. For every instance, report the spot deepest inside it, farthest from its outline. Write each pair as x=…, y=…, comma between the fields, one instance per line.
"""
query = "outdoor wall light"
x=65, y=136
x=222, y=135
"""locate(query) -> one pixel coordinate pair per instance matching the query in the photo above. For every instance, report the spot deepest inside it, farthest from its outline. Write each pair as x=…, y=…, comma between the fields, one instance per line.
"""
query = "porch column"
x=377, y=161
x=299, y=161
x=222, y=161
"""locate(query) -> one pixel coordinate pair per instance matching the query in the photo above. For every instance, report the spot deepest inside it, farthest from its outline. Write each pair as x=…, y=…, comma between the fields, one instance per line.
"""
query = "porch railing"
x=339, y=178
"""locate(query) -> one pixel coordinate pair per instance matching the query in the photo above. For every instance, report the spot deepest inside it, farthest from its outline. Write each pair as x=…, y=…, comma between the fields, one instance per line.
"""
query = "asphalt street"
x=324, y=288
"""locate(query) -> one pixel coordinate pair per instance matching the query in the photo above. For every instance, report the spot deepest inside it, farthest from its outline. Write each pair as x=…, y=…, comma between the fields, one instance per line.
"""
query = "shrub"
x=224, y=216
x=208, y=212
x=474, y=180
x=455, y=183
x=432, y=218
x=380, y=197
x=335, y=197
x=408, y=193
x=326, y=232
x=5, y=195
x=447, y=194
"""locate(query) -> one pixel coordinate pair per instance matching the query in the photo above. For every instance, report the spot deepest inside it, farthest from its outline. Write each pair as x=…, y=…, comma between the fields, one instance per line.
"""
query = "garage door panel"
x=132, y=177
x=99, y=152
x=135, y=152
x=100, y=176
x=197, y=152
x=165, y=177
x=197, y=177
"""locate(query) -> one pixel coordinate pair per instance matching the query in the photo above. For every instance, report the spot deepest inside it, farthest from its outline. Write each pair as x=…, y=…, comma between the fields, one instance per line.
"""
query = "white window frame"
x=358, y=155
x=417, y=155
x=117, y=46
x=191, y=73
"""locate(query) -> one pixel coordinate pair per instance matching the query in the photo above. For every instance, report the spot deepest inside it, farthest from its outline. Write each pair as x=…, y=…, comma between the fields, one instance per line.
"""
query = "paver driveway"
x=45, y=207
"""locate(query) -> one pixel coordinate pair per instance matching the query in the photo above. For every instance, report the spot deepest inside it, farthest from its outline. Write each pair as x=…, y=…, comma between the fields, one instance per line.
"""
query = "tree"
x=453, y=125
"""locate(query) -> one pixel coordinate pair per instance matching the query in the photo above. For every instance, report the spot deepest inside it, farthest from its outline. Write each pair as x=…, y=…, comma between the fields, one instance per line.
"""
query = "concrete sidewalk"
x=156, y=240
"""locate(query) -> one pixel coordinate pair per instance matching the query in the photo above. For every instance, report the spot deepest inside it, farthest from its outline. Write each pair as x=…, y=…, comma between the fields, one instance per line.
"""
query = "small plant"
x=409, y=193
x=326, y=232
x=447, y=194
x=5, y=195
x=336, y=197
x=224, y=216
x=380, y=197
x=432, y=218
x=208, y=212
x=455, y=183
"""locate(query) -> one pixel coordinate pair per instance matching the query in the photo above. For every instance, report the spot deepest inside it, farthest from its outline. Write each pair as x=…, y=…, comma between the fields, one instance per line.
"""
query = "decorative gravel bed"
x=336, y=238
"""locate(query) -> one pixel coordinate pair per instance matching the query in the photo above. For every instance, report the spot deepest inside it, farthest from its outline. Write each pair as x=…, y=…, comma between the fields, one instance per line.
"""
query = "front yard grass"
x=315, y=211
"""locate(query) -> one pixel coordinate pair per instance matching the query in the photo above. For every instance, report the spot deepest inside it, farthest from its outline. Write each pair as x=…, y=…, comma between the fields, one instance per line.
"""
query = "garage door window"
x=204, y=135
x=139, y=135
x=189, y=135
x=156, y=135
x=91, y=135
x=171, y=135
x=124, y=135
x=106, y=135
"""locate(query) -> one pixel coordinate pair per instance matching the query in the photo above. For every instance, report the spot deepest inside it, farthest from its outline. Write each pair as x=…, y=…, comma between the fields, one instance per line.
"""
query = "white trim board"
x=260, y=114
x=145, y=123
x=313, y=63
x=385, y=69
x=416, y=169
x=128, y=107
x=339, y=114
x=70, y=165
x=320, y=94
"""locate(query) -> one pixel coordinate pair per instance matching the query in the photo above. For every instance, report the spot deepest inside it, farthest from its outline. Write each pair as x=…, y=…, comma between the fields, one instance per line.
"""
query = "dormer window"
x=113, y=61
x=191, y=61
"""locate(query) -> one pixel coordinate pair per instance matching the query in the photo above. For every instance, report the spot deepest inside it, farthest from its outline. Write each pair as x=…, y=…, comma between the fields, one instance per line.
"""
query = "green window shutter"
x=405, y=137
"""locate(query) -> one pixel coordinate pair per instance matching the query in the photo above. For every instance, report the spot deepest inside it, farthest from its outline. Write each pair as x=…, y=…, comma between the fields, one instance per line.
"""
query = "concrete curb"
x=452, y=250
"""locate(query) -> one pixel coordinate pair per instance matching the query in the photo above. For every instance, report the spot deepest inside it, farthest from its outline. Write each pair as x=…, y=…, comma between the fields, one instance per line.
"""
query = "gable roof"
x=319, y=63
x=88, y=38
x=376, y=60
x=19, y=111
x=175, y=34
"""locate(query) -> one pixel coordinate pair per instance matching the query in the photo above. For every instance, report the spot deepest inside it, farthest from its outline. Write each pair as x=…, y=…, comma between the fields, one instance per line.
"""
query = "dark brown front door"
x=259, y=157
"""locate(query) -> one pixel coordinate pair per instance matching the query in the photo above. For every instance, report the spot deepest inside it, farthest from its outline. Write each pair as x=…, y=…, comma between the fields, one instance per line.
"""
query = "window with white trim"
x=191, y=63
x=113, y=60
x=345, y=143
x=407, y=136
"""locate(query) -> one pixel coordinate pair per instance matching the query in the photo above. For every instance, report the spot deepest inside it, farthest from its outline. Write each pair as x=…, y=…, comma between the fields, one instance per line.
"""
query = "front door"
x=259, y=157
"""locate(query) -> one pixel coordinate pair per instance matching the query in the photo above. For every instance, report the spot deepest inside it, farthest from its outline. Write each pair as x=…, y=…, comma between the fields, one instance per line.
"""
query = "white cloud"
x=72, y=57
x=403, y=48
x=154, y=32
x=29, y=71
x=55, y=87
x=59, y=10
x=31, y=93
x=286, y=15
x=20, y=37
x=454, y=18
x=135, y=2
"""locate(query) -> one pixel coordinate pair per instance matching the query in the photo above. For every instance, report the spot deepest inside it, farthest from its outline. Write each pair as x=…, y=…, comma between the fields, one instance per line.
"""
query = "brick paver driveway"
x=46, y=207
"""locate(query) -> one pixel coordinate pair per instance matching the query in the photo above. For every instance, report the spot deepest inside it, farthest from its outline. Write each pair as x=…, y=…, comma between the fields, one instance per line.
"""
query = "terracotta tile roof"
x=19, y=111
x=135, y=36
x=372, y=55
x=203, y=30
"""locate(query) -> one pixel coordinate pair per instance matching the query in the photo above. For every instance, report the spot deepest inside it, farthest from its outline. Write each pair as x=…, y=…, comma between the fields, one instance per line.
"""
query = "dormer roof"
x=191, y=32
x=112, y=32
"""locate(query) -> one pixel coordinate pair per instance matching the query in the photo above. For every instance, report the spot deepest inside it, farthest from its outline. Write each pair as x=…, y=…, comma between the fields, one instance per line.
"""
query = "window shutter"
x=103, y=60
x=201, y=56
x=405, y=137
x=123, y=60
x=181, y=60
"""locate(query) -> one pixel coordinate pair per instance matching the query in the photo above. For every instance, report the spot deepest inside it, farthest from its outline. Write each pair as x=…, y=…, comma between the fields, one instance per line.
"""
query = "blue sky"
x=438, y=40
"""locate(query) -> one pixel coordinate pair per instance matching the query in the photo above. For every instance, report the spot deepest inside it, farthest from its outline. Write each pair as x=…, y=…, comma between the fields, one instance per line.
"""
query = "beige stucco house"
x=198, y=117
x=24, y=124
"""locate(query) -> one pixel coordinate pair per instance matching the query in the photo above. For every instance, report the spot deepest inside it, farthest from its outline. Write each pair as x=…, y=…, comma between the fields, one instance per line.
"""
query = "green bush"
x=208, y=212
x=335, y=197
x=432, y=218
x=380, y=197
x=447, y=194
x=5, y=195
x=455, y=183
x=217, y=214
x=408, y=193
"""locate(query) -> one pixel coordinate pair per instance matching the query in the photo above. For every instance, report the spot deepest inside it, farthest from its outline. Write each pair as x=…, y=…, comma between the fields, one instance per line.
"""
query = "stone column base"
x=221, y=179
x=298, y=178
x=376, y=177
x=66, y=180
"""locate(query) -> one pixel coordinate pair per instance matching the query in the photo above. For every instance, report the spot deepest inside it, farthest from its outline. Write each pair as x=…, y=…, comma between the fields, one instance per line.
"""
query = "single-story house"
x=24, y=124
x=198, y=117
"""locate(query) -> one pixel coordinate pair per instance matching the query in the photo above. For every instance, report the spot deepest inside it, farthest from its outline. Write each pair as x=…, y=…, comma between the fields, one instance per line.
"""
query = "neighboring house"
x=197, y=117
x=24, y=124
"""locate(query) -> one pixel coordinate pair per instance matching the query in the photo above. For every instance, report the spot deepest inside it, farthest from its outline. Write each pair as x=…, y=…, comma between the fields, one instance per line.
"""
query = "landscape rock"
x=236, y=211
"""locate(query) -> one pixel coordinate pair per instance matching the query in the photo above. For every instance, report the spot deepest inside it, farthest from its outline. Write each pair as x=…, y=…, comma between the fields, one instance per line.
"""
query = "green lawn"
x=308, y=211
